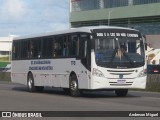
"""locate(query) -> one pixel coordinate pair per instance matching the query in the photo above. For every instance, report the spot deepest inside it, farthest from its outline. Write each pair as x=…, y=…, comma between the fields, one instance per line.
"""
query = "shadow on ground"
x=86, y=94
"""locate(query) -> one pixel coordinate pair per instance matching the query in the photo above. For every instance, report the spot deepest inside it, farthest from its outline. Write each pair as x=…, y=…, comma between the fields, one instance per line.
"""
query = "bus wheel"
x=121, y=92
x=30, y=83
x=74, y=91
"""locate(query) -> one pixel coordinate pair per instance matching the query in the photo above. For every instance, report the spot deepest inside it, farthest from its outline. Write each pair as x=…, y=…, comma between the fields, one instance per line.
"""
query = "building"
x=5, y=46
x=143, y=15
x=5, y=50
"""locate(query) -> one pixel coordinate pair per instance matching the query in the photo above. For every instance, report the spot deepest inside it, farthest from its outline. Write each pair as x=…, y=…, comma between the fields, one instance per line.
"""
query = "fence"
x=153, y=82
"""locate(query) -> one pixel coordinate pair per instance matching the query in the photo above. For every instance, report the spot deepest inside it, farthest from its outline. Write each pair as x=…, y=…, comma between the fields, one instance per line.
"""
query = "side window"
x=58, y=46
x=65, y=46
x=47, y=43
x=24, y=49
x=73, y=45
x=30, y=49
x=15, y=50
x=35, y=48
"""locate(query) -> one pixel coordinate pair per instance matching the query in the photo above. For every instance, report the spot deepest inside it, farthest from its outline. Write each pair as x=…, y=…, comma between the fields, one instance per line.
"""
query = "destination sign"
x=132, y=35
x=116, y=33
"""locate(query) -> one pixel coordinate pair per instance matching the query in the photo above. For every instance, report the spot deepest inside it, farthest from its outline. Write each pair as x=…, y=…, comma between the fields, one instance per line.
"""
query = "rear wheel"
x=74, y=90
x=121, y=92
x=30, y=83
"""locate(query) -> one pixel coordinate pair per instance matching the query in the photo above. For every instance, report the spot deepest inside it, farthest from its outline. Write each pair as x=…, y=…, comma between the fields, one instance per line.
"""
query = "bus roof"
x=71, y=30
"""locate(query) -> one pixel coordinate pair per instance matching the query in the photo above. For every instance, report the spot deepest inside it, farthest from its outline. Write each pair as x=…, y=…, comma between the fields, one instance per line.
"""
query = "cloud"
x=33, y=16
x=51, y=3
x=14, y=9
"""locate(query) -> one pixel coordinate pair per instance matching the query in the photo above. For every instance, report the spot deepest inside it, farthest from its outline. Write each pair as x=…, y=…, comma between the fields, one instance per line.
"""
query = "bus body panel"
x=57, y=76
x=19, y=71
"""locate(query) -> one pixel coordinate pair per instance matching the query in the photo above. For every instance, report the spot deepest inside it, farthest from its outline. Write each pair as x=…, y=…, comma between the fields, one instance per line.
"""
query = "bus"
x=79, y=59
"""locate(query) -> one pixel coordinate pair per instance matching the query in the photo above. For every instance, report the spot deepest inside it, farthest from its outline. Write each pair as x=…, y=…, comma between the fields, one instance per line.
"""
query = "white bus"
x=86, y=58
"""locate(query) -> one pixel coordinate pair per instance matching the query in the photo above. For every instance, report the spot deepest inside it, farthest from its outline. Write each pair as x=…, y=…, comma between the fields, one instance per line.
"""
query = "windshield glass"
x=119, y=52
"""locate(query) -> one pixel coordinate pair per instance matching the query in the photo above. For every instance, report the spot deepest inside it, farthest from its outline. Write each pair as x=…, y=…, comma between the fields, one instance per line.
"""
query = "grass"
x=4, y=64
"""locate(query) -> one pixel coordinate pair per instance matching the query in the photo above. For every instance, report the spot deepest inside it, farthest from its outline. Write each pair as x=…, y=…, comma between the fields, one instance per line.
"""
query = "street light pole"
x=109, y=16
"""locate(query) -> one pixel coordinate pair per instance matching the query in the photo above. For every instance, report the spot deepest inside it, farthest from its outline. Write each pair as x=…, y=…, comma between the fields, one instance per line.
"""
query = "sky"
x=25, y=17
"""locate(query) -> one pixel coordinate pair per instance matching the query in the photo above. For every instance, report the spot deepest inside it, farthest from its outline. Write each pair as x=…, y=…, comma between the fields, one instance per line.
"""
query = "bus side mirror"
x=92, y=44
x=145, y=46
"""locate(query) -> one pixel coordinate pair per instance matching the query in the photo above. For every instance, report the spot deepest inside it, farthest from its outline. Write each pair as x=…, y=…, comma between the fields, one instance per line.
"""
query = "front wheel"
x=74, y=90
x=121, y=92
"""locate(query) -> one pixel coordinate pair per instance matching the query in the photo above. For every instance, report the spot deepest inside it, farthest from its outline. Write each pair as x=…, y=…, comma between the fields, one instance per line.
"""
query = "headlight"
x=97, y=73
x=142, y=73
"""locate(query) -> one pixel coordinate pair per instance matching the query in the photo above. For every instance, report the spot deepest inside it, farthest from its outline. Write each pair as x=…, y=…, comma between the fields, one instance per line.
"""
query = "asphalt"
x=14, y=97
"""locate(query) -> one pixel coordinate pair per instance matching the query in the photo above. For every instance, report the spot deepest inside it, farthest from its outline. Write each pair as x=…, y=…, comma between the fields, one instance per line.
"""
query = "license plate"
x=121, y=81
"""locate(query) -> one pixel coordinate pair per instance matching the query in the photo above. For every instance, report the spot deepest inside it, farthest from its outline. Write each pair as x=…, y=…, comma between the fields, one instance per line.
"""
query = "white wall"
x=5, y=44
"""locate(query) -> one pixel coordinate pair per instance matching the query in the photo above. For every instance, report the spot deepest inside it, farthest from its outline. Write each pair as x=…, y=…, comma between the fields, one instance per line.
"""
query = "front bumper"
x=105, y=83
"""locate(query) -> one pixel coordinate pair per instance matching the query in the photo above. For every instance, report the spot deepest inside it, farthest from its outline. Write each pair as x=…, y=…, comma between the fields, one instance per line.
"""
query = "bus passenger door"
x=85, y=57
x=85, y=51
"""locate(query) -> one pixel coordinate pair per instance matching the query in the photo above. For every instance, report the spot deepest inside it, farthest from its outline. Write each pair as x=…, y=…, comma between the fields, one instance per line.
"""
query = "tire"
x=73, y=85
x=30, y=83
x=121, y=92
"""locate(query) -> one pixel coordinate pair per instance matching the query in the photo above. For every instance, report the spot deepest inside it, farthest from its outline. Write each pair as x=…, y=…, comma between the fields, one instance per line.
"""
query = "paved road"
x=14, y=97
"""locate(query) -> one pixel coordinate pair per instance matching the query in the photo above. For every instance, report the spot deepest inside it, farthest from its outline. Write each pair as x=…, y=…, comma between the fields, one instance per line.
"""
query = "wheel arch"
x=29, y=73
x=71, y=74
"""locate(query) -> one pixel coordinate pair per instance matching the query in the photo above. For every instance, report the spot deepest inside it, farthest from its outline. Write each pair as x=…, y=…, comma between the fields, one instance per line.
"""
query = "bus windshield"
x=119, y=52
